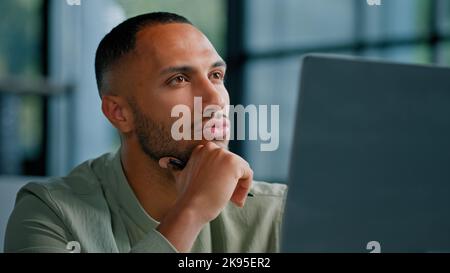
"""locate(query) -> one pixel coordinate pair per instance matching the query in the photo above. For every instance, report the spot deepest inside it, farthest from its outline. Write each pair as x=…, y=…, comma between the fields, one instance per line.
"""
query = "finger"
x=194, y=157
x=243, y=186
x=196, y=150
x=202, y=151
x=239, y=196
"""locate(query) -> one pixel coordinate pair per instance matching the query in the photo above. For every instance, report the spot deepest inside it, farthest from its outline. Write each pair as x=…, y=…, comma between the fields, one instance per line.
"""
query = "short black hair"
x=122, y=40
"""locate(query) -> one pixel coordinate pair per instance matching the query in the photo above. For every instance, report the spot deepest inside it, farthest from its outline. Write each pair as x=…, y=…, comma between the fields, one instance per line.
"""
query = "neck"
x=153, y=186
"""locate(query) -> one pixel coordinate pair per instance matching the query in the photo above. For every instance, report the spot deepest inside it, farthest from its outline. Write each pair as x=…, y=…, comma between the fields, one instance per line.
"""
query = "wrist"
x=181, y=227
x=186, y=216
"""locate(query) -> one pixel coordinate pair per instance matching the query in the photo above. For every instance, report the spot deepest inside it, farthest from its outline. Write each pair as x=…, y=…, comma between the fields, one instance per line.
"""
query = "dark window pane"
x=397, y=19
x=281, y=24
x=374, y=19
x=10, y=153
x=407, y=18
x=444, y=16
x=273, y=82
x=372, y=53
x=420, y=54
x=21, y=121
x=444, y=53
x=20, y=46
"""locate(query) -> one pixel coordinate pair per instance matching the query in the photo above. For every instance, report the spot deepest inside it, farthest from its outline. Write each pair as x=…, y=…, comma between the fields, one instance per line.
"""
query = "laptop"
x=370, y=164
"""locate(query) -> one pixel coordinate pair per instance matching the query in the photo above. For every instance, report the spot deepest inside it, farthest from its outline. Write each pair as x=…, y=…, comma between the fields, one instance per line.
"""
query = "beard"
x=155, y=139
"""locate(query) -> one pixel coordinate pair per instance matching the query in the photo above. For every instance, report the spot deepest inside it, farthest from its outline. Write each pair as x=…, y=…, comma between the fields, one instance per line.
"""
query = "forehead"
x=172, y=44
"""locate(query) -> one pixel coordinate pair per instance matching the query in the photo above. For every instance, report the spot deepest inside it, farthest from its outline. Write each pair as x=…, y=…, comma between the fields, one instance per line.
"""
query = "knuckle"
x=229, y=159
x=210, y=145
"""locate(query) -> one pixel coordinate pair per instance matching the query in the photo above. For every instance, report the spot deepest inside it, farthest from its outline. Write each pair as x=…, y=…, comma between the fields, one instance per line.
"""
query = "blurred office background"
x=50, y=117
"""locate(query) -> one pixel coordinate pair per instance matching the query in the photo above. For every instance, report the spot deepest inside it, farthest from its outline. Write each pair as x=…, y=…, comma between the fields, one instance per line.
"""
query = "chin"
x=221, y=143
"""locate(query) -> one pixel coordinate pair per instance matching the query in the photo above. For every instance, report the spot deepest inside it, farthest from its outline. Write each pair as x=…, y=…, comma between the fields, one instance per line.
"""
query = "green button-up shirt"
x=95, y=207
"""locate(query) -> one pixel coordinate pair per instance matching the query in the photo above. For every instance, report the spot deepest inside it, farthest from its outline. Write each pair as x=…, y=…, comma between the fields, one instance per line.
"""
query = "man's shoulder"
x=73, y=207
x=81, y=184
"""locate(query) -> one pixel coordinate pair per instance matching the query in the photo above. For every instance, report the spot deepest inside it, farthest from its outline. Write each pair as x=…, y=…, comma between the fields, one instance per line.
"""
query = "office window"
x=444, y=53
x=420, y=53
x=398, y=19
x=268, y=82
x=443, y=17
x=278, y=32
x=275, y=25
x=20, y=46
x=78, y=130
x=209, y=16
x=21, y=115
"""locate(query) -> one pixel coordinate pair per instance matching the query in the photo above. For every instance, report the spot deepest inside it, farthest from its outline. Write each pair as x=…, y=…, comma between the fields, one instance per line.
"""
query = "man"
x=142, y=198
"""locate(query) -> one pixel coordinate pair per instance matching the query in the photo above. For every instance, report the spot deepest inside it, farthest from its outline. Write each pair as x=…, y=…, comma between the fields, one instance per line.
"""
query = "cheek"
x=162, y=107
x=225, y=95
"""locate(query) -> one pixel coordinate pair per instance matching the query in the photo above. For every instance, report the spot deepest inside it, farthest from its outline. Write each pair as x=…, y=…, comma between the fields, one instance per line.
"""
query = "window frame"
x=238, y=56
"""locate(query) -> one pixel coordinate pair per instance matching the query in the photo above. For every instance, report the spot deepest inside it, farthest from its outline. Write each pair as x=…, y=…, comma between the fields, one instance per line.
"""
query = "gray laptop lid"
x=370, y=165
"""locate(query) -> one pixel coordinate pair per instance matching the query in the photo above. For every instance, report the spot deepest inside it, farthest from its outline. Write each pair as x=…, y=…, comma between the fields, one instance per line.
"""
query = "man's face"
x=171, y=64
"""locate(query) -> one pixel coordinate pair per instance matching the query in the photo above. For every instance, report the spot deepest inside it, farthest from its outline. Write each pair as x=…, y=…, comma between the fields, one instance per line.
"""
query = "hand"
x=211, y=178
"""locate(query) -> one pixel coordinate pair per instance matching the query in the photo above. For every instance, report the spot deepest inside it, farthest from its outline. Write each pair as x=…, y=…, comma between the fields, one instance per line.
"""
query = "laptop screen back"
x=370, y=165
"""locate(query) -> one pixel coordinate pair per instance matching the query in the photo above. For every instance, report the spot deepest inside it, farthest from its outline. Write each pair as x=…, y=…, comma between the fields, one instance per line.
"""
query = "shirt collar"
x=126, y=198
x=129, y=204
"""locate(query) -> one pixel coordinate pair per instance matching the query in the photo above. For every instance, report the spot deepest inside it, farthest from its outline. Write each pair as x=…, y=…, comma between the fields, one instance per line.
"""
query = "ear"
x=117, y=111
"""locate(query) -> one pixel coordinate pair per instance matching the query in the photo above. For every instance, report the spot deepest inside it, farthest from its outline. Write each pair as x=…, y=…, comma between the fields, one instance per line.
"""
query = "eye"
x=180, y=79
x=217, y=76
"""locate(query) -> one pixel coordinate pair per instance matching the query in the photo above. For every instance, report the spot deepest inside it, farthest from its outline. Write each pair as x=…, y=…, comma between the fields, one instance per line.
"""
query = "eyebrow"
x=188, y=69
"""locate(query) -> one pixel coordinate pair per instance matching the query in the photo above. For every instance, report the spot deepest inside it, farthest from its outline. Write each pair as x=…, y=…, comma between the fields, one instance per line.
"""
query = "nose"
x=210, y=94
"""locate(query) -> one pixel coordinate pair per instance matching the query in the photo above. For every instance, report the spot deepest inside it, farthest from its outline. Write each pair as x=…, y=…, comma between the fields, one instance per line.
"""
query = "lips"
x=216, y=129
